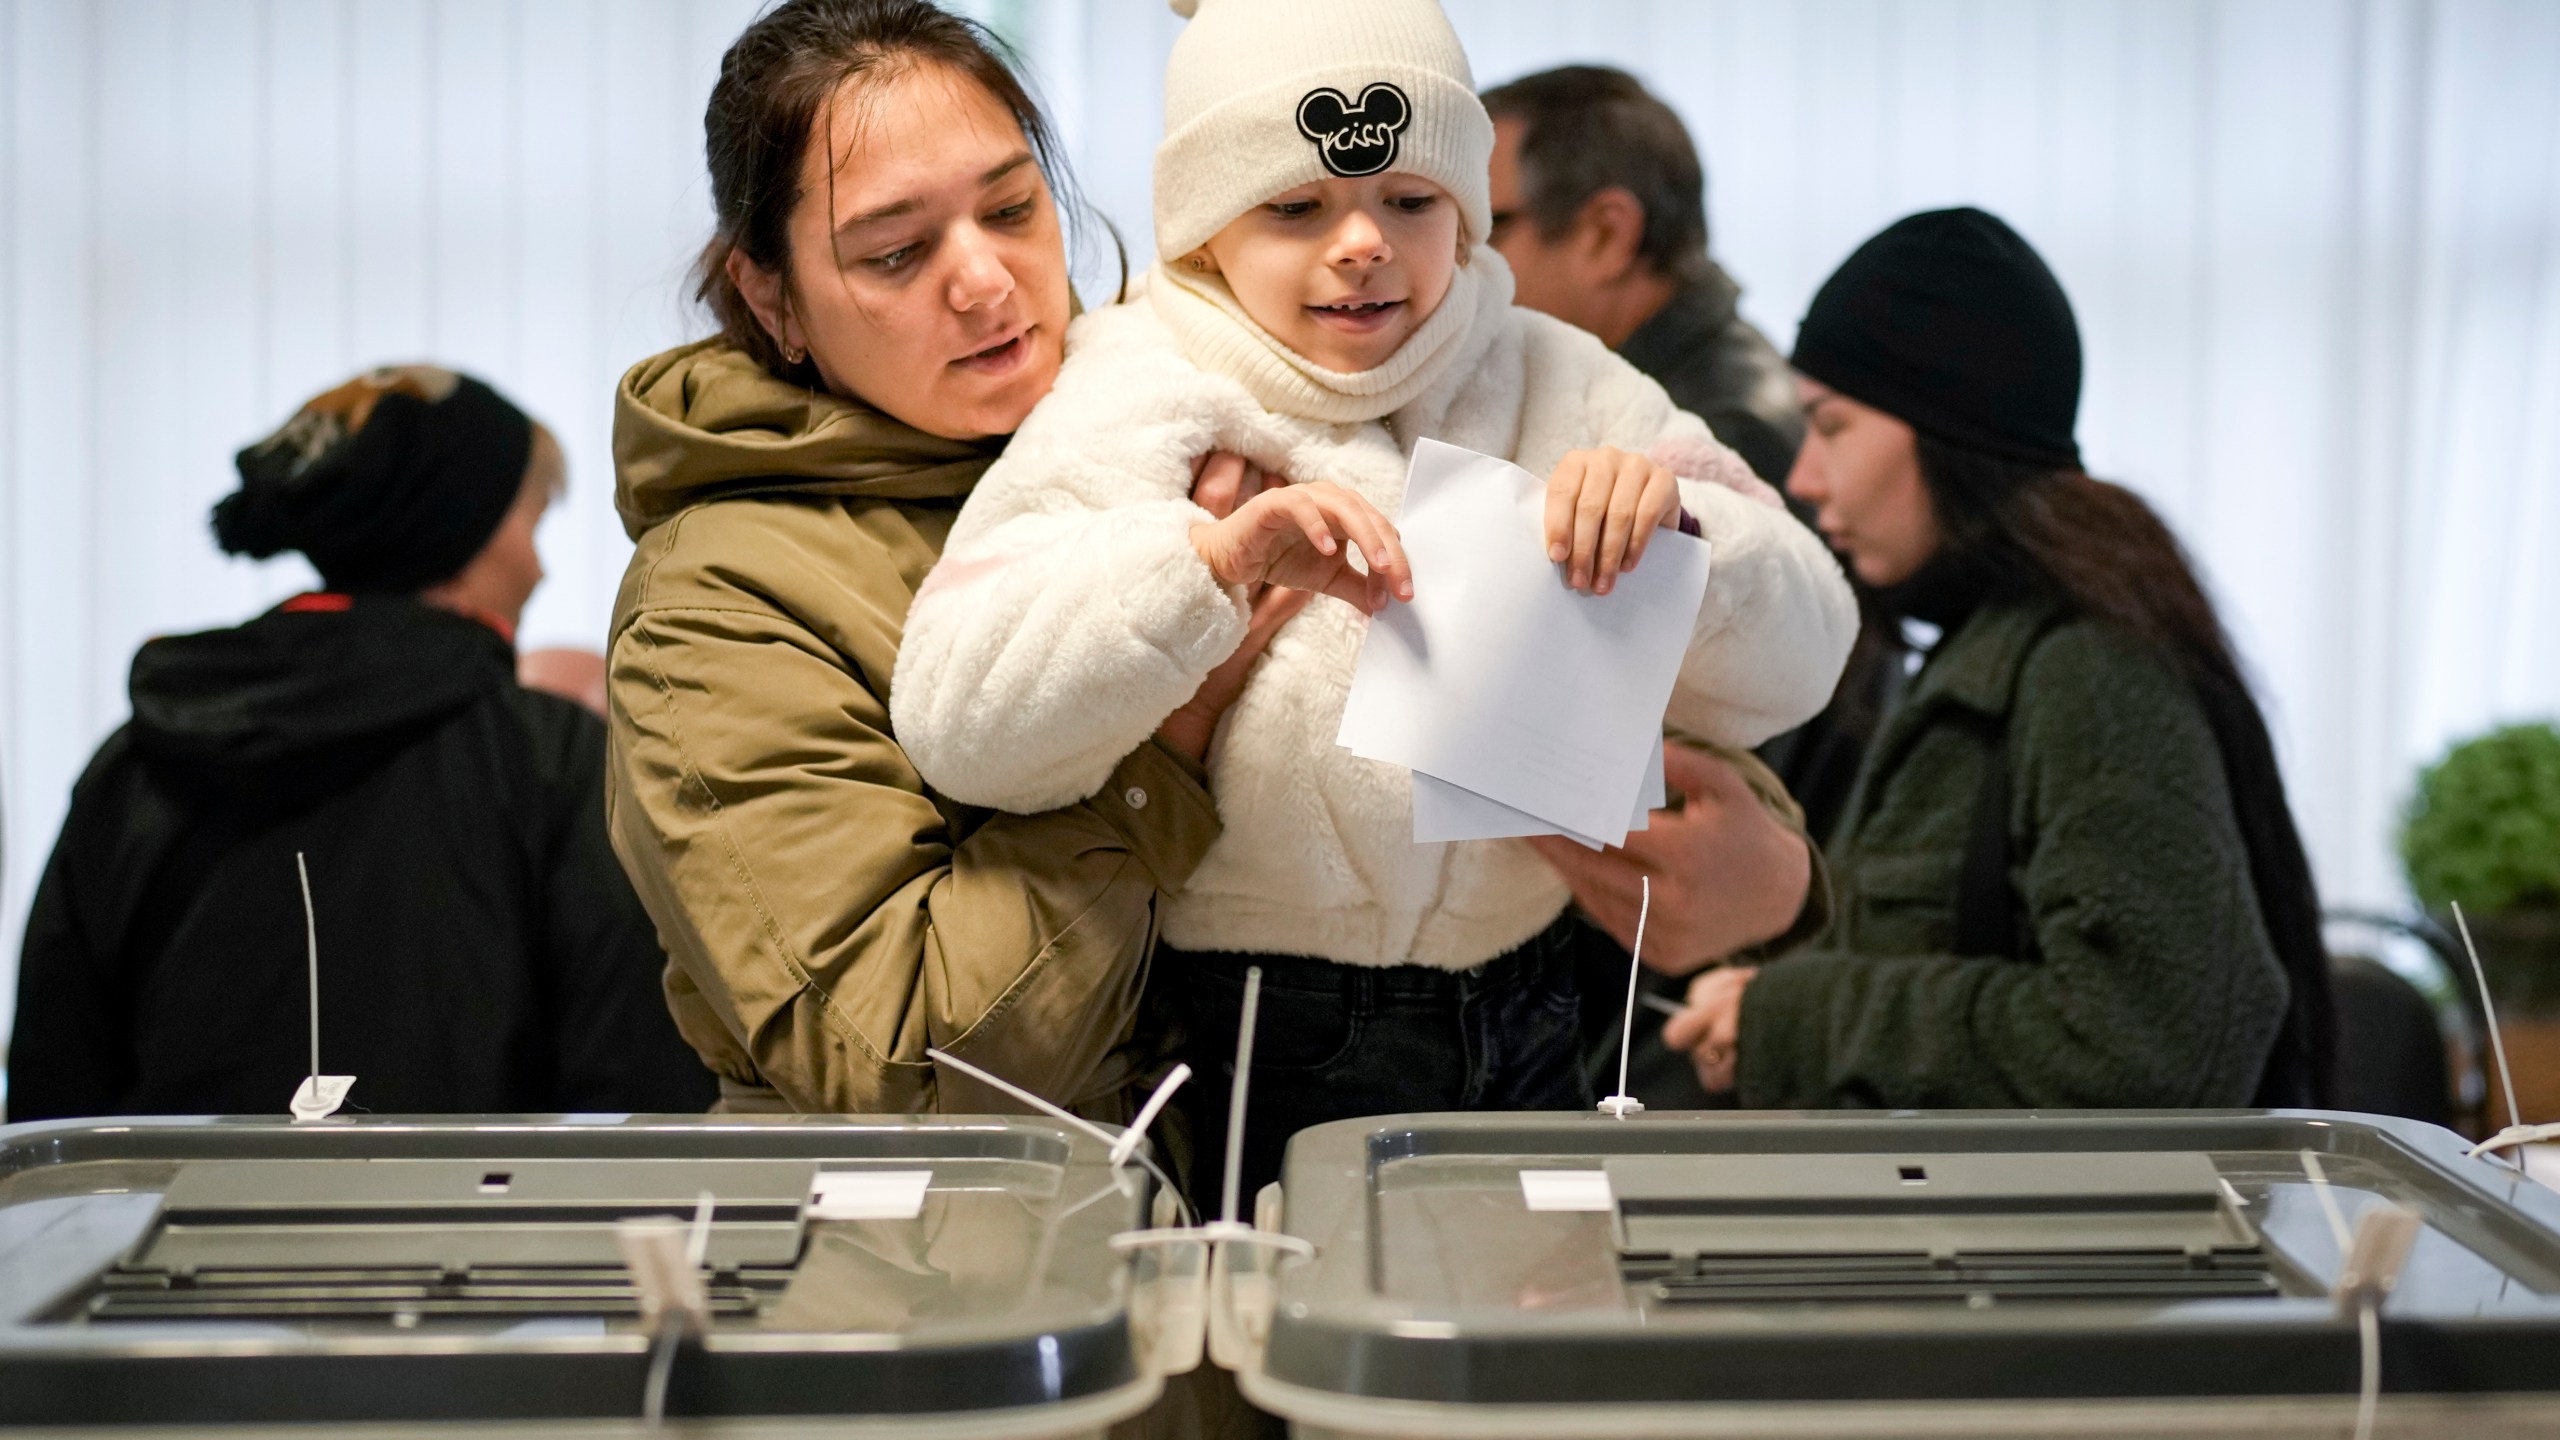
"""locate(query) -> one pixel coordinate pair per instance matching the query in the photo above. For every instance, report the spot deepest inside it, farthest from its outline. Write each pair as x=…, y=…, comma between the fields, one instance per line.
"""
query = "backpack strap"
x=1986, y=914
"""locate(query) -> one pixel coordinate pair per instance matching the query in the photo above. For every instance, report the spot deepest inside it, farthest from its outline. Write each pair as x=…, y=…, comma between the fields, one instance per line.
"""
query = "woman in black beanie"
x=479, y=948
x=2068, y=875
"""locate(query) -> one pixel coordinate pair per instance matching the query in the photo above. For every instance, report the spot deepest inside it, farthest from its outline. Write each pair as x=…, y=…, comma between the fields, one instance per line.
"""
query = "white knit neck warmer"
x=1218, y=336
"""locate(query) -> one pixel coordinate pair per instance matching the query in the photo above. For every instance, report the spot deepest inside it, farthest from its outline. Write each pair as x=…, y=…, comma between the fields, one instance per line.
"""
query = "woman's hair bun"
x=279, y=474
x=259, y=519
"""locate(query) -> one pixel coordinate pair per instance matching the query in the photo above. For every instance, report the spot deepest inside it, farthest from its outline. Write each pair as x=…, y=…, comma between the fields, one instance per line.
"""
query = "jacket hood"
x=705, y=422
x=300, y=701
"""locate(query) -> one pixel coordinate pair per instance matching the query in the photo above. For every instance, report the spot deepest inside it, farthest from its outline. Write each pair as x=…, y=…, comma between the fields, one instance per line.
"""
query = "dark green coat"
x=2149, y=979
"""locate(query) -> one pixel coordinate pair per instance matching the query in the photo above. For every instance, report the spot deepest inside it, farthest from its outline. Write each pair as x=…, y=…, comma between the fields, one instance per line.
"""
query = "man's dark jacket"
x=1719, y=368
x=2147, y=977
x=479, y=947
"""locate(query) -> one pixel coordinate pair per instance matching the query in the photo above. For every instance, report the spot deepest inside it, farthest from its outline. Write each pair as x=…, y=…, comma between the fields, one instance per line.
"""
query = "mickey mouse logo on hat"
x=1355, y=139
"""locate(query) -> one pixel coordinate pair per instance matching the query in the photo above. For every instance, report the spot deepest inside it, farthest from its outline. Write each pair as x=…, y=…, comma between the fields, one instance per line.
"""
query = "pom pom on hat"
x=1263, y=96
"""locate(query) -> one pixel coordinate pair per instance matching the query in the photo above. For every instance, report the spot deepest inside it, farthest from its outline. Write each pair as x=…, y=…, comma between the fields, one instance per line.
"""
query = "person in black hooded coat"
x=479, y=947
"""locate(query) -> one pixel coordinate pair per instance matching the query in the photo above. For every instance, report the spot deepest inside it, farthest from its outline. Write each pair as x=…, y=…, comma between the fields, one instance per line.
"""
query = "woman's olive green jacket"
x=2148, y=978
x=826, y=917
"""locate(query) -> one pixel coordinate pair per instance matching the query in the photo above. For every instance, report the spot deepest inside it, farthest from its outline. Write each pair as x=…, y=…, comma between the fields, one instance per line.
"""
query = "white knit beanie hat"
x=1263, y=96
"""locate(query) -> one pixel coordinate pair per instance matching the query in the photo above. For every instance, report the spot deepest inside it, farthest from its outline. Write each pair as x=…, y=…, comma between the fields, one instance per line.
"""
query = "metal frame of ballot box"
x=2051, y=1274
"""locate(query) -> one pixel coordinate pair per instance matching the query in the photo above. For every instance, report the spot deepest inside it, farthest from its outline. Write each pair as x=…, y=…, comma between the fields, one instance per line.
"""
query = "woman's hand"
x=1726, y=874
x=1602, y=509
x=1301, y=537
x=1221, y=481
x=1711, y=1028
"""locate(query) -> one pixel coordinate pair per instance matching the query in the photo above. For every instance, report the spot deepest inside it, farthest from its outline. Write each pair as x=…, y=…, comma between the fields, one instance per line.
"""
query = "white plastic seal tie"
x=1622, y=1104
x=1227, y=1228
x=1230, y=1182
x=2516, y=1132
x=667, y=1282
x=318, y=1096
x=2369, y=1264
x=2512, y=1136
x=1047, y=1107
x=1059, y=1112
x=1136, y=1134
x=697, y=1245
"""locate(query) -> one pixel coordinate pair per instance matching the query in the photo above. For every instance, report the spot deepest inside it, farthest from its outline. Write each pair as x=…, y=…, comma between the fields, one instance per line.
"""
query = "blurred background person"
x=479, y=948
x=1600, y=205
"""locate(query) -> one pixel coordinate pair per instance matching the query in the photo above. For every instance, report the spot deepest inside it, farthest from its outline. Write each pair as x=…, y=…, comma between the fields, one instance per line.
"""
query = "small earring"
x=1199, y=263
x=793, y=355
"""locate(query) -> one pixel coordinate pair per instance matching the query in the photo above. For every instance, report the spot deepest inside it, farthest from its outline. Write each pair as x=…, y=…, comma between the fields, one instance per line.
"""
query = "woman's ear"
x=766, y=295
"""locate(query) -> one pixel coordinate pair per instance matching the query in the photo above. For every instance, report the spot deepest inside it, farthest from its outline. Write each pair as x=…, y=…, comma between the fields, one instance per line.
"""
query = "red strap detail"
x=331, y=602
x=495, y=622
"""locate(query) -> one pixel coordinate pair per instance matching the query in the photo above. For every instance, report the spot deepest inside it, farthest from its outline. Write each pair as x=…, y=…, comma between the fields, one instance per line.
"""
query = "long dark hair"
x=2010, y=530
x=774, y=83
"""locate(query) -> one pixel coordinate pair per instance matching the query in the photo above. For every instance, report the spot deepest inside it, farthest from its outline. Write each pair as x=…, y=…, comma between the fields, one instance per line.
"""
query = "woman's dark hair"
x=775, y=83
x=2010, y=530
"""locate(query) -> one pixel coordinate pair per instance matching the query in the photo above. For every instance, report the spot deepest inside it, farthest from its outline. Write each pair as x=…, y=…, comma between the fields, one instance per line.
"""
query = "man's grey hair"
x=1586, y=128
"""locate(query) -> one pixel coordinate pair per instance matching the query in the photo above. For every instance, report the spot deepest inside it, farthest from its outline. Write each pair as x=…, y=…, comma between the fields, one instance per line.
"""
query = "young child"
x=1325, y=298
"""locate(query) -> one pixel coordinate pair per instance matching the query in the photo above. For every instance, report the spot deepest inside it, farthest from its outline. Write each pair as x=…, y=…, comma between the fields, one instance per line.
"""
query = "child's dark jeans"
x=1335, y=1042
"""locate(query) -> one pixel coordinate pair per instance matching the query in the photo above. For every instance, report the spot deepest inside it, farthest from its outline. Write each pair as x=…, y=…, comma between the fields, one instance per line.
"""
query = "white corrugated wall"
x=2315, y=246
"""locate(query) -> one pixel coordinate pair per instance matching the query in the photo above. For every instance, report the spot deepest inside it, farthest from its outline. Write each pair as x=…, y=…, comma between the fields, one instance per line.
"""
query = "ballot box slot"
x=1946, y=1228
x=403, y=1296
x=411, y=1242
x=285, y=1217
x=1975, y=1279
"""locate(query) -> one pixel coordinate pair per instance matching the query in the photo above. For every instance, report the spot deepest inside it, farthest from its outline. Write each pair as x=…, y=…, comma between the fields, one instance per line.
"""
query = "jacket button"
x=1135, y=797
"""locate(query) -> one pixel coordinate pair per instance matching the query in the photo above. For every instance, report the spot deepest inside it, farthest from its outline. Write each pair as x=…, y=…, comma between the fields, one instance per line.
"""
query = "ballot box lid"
x=233, y=1271
x=1467, y=1263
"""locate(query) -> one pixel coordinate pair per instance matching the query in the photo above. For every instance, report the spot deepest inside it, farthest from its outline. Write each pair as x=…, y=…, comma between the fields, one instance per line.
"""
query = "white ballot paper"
x=1500, y=681
x=1442, y=811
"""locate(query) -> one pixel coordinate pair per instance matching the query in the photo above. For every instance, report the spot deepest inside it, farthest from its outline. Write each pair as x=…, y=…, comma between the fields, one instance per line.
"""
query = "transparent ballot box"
x=887, y=1278
x=1906, y=1274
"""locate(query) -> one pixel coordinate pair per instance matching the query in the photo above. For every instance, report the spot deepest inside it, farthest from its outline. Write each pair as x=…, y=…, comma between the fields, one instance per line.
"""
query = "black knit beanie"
x=391, y=482
x=1950, y=322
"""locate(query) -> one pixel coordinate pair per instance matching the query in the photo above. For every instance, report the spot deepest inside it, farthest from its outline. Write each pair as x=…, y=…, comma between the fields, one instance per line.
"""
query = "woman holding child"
x=891, y=281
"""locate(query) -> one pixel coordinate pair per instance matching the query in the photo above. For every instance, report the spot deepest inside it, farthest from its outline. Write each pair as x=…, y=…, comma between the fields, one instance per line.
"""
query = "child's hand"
x=1602, y=509
x=1300, y=537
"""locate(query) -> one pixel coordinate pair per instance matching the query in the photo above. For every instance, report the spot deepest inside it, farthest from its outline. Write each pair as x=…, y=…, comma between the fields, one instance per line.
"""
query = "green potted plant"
x=2484, y=830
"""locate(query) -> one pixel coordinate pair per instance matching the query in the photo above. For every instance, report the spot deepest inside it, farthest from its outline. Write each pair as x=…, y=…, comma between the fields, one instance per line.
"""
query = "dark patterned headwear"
x=390, y=482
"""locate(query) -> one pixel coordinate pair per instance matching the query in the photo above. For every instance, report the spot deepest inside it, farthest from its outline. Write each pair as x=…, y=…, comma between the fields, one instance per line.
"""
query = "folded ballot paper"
x=1522, y=706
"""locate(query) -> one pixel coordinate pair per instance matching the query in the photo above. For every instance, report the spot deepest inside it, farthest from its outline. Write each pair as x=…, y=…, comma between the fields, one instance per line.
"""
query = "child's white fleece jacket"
x=1070, y=615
